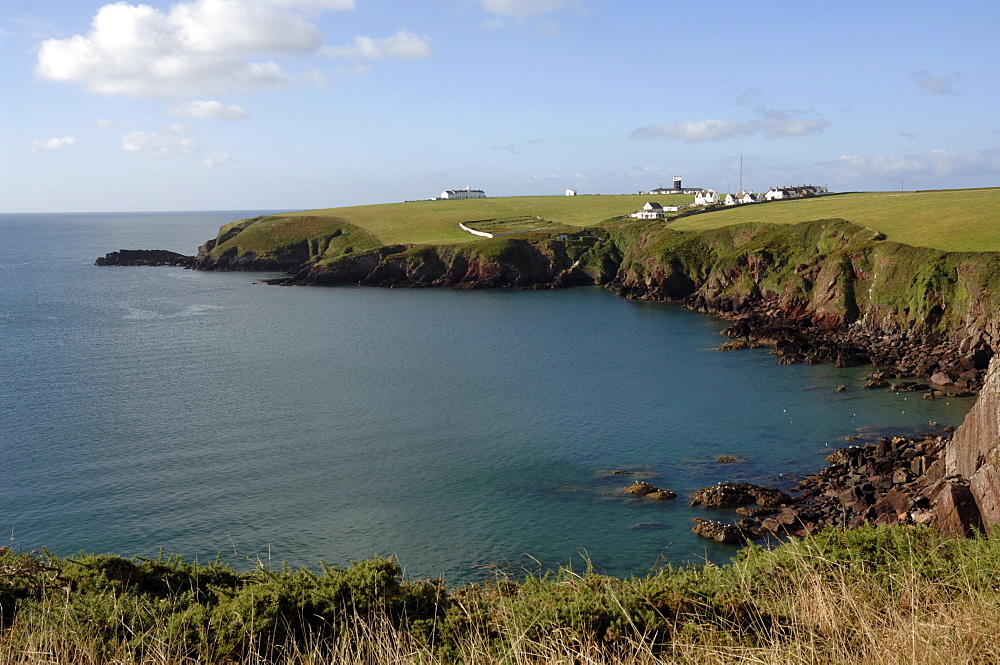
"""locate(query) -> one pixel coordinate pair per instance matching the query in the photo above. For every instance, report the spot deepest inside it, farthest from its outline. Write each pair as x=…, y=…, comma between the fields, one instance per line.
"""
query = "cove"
x=206, y=413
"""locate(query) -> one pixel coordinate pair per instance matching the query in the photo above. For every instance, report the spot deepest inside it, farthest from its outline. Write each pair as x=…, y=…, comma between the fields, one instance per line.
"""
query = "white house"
x=570, y=192
x=779, y=193
x=467, y=193
x=706, y=198
x=776, y=194
x=651, y=210
x=741, y=198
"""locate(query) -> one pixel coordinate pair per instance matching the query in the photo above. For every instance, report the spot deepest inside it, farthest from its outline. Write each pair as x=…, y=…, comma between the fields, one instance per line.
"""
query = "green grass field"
x=949, y=220
x=436, y=222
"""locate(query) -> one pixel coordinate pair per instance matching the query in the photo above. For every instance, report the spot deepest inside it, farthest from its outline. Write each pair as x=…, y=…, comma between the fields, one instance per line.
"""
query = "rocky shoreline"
x=899, y=480
x=897, y=354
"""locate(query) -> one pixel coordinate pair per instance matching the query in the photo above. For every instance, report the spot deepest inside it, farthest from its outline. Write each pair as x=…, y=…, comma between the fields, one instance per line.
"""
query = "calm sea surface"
x=206, y=413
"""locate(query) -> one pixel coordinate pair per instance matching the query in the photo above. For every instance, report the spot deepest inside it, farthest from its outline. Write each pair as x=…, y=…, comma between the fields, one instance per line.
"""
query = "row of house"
x=710, y=197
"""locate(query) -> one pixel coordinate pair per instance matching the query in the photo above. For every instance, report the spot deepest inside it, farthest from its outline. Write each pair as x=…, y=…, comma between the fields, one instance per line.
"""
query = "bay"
x=207, y=413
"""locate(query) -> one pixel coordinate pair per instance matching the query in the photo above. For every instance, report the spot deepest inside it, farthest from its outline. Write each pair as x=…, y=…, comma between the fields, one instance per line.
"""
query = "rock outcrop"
x=974, y=452
x=145, y=257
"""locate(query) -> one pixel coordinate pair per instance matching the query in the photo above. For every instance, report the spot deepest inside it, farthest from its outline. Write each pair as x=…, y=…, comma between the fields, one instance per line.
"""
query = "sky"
x=299, y=104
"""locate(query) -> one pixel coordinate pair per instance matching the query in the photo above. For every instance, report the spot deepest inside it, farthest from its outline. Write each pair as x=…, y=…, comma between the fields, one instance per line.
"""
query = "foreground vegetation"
x=875, y=595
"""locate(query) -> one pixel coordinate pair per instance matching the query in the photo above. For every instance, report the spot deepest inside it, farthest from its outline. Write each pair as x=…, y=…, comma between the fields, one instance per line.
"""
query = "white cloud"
x=772, y=123
x=935, y=85
x=937, y=163
x=202, y=109
x=521, y=9
x=153, y=144
x=215, y=158
x=193, y=48
x=42, y=145
x=747, y=96
x=403, y=44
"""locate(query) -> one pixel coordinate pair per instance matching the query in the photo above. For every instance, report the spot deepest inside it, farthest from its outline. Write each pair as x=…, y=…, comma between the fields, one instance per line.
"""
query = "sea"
x=156, y=411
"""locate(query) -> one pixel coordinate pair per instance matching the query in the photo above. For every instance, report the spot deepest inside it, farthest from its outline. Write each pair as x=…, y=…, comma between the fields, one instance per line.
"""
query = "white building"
x=570, y=192
x=801, y=191
x=467, y=193
x=741, y=199
x=651, y=210
x=779, y=193
x=706, y=197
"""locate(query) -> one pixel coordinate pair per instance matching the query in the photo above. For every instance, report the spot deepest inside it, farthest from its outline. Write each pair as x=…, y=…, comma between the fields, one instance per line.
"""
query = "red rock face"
x=974, y=452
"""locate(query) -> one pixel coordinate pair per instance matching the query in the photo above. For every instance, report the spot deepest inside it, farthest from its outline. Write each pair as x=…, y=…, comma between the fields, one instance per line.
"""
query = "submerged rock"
x=640, y=488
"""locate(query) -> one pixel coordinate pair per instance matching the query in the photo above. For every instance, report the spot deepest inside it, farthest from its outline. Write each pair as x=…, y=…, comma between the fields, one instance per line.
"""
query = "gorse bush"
x=876, y=594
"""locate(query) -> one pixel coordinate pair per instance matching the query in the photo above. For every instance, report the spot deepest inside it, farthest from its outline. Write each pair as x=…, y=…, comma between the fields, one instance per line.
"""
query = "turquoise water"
x=206, y=413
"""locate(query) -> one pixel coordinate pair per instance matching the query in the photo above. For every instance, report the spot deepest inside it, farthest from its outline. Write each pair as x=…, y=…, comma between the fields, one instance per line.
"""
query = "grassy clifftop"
x=953, y=221
x=964, y=220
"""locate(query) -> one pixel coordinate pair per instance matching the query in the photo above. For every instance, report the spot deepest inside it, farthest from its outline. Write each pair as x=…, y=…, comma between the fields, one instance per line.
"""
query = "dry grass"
x=879, y=607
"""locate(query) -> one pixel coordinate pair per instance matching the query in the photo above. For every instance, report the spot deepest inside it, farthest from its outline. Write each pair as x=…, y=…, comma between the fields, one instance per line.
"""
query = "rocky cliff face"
x=525, y=263
x=974, y=452
x=830, y=291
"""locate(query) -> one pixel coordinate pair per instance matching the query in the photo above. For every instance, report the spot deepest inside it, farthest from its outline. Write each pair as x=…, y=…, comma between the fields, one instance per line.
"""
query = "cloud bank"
x=937, y=163
x=771, y=123
x=194, y=48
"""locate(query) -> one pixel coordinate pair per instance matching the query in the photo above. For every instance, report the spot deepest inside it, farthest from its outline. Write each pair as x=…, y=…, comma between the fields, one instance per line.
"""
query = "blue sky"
x=260, y=104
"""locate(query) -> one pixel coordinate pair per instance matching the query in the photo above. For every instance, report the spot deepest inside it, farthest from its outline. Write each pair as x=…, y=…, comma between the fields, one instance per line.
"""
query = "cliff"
x=829, y=290
x=974, y=452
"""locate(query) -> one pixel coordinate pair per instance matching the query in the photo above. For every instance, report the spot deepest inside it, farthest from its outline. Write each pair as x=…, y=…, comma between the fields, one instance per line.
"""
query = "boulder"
x=641, y=489
x=955, y=508
x=738, y=494
x=719, y=532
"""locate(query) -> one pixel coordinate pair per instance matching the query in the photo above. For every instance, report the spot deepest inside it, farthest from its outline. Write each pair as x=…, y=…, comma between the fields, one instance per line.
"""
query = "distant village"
x=710, y=197
x=702, y=197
